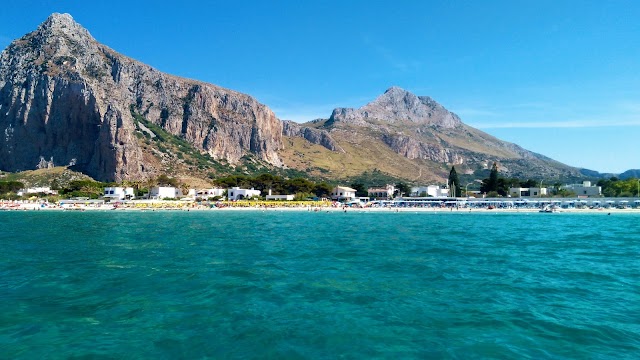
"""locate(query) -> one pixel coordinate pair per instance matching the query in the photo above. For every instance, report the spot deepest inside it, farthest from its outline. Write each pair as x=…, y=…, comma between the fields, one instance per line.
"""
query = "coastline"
x=187, y=207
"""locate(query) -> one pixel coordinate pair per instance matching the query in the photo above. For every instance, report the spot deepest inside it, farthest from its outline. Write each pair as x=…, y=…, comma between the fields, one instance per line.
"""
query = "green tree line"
x=495, y=185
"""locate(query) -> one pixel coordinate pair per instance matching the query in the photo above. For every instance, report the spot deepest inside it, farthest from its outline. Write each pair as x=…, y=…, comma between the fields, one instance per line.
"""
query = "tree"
x=164, y=180
x=360, y=189
x=503, y=187
x=298, y=185
x=322, y=190
x=265, y=182
x=490, y=184
x=10, y=186
x=402, y=189
x=454, y=182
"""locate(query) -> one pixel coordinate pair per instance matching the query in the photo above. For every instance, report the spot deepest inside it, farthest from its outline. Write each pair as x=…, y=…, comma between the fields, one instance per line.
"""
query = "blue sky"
x=560, y=78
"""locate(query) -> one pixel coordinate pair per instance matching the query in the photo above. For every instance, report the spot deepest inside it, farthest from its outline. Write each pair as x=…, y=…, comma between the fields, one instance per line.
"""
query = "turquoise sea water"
x=287, y=285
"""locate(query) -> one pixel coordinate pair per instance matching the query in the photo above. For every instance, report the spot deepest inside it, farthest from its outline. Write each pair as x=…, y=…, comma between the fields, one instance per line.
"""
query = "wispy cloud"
x=528, y=105
x=475, y=112
x=558, y=124
x=396, y=62
x=629, y=106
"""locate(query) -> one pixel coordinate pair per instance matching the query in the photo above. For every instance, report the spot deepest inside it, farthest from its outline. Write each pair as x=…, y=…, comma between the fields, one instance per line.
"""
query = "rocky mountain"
x=66, y=99
x=631, y=173
x=412, y=137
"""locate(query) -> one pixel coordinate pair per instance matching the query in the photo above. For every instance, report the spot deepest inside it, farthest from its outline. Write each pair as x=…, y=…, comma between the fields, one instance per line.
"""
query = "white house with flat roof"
x=37, y=190
x=279, y=197
x=235, y=193
x=340, y=193
x=164, y=192
x=119, y=193
x=527, y=192
x=206, y=193
x=431, y=190
x=584, y=189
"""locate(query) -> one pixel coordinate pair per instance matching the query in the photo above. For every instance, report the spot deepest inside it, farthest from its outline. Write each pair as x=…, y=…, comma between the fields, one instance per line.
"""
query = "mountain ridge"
x=419, y=129
x=67, y=99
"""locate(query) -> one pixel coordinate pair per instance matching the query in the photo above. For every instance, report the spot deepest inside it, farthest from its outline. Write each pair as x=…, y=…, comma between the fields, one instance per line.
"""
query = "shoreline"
x=201, y=208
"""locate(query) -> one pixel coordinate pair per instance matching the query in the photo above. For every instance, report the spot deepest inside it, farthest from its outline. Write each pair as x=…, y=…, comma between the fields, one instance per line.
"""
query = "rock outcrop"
x=314, y=136
x=68, y=98
x=414, y=149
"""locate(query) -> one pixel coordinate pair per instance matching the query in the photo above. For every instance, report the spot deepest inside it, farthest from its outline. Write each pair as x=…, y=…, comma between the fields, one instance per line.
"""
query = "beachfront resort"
x=431, y=198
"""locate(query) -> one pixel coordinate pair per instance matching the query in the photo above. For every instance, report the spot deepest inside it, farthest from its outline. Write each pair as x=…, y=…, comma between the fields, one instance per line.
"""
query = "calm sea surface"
x=287, y=285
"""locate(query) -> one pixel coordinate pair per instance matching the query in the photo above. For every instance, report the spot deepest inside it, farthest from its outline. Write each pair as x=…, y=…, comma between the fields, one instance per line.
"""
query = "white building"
x=206, y=193
x=527, y=192
x=431, y=190
x=164, y=192
x=343, y=193
x=235, y=193
x=37, y=190
x=279, y=197
x=119, y=193
x=381, y=192
x=584, y=189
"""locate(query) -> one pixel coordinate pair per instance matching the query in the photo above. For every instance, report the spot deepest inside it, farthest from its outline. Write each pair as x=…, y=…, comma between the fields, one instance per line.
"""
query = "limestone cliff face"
x=314, y=136
x=66, y=97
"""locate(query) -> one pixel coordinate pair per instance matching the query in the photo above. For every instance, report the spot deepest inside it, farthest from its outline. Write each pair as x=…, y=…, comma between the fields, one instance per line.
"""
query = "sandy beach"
x=311, y=207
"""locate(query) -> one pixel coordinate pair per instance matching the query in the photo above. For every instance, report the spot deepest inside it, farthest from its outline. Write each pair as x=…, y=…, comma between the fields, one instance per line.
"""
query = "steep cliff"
x=312, y=135
x=67, y=99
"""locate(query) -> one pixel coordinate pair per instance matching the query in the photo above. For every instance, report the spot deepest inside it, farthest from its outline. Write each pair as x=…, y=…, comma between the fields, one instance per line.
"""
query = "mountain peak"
x=63, y=24
x=397, y=99
x=395, y=89
x=58, y=18
x=397, y=105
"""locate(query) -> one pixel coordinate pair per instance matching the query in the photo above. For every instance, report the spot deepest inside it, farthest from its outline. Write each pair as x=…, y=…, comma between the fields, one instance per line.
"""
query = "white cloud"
x=558, y=124
x=475, y=112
